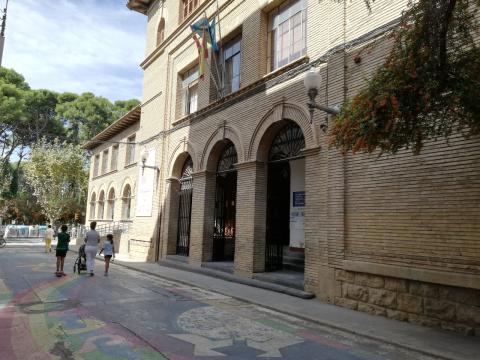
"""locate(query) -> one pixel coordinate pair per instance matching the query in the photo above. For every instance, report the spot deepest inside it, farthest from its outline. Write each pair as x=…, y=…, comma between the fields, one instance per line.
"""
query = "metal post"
x=2, y=31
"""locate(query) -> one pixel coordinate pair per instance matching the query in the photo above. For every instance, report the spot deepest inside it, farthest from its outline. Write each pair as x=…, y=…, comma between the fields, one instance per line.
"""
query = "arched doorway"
x=185, y=208
x=225, y=205
x=285, y=199
x=101, y=205
x=126, y=202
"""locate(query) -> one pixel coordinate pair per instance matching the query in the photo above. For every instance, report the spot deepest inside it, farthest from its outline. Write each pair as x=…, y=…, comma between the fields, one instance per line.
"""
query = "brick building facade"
x=242, y=175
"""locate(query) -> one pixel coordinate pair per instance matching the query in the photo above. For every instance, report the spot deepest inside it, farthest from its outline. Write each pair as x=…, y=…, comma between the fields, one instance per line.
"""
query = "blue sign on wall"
x=298, y=198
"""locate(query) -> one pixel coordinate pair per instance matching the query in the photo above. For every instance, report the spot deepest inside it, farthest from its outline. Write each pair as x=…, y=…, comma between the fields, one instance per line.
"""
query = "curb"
x=293, y=314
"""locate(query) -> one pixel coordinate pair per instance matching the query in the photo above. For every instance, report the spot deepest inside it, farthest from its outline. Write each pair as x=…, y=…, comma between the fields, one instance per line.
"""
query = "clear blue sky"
x=77, y=46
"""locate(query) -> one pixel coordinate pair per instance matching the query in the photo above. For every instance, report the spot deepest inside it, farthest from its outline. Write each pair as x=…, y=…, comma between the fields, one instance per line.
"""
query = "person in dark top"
x=62, y=248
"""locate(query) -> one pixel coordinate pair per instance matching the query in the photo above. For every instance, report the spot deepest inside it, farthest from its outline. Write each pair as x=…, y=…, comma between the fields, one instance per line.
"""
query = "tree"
x=12, y=120
x=428, y=87
x=121, y=107
x=85, y=116
x=57, y=174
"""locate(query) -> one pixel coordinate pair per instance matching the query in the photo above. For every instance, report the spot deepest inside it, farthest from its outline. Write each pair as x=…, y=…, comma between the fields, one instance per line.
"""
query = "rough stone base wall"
x=446, y=307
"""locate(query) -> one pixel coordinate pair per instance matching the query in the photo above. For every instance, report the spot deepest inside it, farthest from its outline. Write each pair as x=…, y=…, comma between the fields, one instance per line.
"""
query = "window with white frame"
x=287, y=32
x=130, y=155
x=231, y=54
x=104, y=161
x=190, y=91
x=114, y=158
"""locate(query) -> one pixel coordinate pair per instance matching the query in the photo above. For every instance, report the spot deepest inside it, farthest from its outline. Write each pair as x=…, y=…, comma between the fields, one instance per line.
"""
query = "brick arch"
x=227, y=132
x=178, y=157
x=272, y=121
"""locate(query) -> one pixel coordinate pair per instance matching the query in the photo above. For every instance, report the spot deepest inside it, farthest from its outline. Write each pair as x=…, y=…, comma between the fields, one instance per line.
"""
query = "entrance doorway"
x=225, y=206
x=185, y=208
x=284, y=243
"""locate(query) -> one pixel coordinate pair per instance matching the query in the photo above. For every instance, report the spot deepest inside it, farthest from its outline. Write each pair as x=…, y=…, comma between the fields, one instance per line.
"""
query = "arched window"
x=93, y=198
x=126, y=202
x=111, y=204
x=101, y=205
x=161, y=31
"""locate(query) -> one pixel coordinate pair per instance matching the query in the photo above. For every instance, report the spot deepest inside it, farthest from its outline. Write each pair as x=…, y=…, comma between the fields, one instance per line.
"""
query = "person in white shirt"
x=108, y=251
x=92, y=238
x=48, y=237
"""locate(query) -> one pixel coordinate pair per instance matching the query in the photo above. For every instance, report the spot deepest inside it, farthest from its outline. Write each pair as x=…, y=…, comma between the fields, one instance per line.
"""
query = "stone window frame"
x=111, y=204
x=130, y=150
x=101, y=205
x=104, y=167
x=114, y=158
x=188, y=7
x=96, y=164
x=161, y=31
x=127, y=202
x=93, y=198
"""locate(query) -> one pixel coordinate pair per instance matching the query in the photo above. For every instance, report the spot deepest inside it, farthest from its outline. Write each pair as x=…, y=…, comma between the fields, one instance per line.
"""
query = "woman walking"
x=61, y=250
x=92, y=238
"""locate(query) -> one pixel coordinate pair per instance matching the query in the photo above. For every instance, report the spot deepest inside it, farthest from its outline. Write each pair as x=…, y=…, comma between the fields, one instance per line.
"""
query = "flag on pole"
x=202, y=27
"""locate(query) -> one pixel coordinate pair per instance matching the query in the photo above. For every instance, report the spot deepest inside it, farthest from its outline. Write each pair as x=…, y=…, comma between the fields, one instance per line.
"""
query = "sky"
x=77, y=46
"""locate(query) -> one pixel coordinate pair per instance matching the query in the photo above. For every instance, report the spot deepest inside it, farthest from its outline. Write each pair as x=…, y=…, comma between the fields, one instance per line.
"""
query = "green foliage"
x=57, y=174
x=86, y=115
x=428, y=88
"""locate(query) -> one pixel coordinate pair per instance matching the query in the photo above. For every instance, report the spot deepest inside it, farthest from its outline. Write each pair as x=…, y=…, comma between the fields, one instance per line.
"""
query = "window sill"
x=103, y=175
x=286, y=67
x=130, y=165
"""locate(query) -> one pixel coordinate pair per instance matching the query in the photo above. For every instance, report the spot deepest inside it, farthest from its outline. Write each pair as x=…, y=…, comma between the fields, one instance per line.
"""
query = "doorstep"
x=263, y=283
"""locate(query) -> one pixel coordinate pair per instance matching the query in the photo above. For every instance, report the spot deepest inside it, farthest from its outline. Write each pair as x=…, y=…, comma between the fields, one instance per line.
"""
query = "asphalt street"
x=132, y=315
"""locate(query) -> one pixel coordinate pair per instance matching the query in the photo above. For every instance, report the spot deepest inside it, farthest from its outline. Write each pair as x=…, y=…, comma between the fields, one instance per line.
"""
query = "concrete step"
x=269, y=285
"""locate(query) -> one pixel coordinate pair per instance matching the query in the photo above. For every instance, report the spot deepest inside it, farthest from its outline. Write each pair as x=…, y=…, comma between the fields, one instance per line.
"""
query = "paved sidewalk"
x=433, y=342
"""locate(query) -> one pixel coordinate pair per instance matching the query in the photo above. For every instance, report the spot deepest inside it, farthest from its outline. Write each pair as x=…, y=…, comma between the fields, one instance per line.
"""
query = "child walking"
x=108, y=251
x=61, y=250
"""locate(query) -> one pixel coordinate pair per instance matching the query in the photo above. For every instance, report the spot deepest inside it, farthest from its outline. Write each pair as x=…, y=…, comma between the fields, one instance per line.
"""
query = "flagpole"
x=2, y=31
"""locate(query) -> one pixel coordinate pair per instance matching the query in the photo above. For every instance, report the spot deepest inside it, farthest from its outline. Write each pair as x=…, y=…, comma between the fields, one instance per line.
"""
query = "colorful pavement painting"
x=45, y=324
x=132, y=315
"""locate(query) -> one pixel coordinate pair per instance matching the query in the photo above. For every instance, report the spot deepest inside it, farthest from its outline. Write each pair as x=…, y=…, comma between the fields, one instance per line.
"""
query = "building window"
x=190, y=91
x=161, y=31
x=104, y=161
x=287, y=32
x=93, y=198
x=114, y=159
x=188, y=7
x=111, y=205
x=126, y=202
x=130, y=156
x=101, y=205
x=96, y=162
x=232, y=65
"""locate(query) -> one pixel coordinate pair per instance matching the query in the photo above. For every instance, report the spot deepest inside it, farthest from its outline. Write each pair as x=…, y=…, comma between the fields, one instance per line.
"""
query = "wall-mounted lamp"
x=144, y=157
x=312, y=82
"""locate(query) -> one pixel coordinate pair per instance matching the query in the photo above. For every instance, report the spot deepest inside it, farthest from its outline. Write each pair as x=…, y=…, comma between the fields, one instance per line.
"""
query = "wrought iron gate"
x=287, y=145
x=225, y=206
x=185, y=209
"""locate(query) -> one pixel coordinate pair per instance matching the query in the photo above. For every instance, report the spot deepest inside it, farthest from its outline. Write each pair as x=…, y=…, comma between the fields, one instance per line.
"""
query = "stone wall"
x=446, y=307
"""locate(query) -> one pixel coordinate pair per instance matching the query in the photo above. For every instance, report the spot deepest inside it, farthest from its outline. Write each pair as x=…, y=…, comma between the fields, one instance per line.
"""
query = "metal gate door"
x=286, y=146
x=185, y=209
x=225, y=206
x=278, y=214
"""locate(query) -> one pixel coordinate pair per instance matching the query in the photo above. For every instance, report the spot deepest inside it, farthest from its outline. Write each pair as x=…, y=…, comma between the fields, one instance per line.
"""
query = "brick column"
x=250, y=218
x=201, y=228
x=169, y=233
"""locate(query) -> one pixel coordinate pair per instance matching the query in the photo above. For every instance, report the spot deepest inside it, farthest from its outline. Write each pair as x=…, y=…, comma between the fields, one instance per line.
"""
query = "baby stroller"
x=81, y=261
